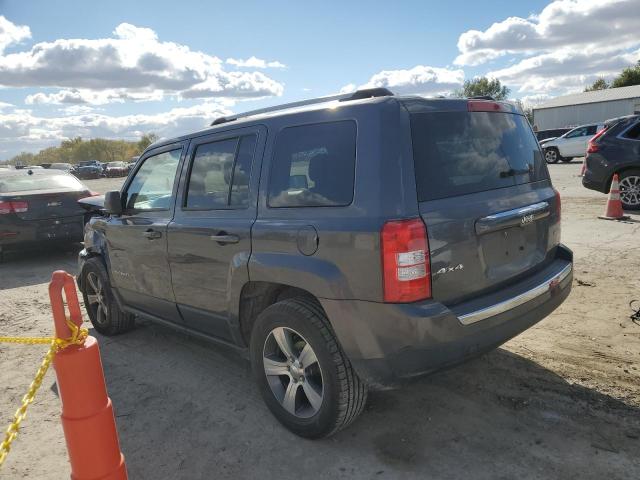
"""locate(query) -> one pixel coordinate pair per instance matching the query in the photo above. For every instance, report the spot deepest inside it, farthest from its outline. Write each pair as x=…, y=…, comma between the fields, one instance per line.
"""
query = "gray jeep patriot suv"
x=343, y=243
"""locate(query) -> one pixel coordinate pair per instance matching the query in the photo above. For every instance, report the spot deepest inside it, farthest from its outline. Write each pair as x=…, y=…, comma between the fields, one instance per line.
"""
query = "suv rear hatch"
x=484, y=193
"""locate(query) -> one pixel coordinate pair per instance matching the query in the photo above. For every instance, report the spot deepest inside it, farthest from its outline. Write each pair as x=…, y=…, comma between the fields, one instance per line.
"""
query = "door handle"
x=152, y=234
x=225, y=238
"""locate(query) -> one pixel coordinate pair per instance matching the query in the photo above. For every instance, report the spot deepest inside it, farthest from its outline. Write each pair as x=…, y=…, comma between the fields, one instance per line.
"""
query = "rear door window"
x=313, y=166
x=220, y=174
x=457, y=153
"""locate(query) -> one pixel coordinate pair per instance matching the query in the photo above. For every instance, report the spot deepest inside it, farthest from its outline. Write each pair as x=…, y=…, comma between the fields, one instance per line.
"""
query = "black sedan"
x=616, y=149
x=40, y=206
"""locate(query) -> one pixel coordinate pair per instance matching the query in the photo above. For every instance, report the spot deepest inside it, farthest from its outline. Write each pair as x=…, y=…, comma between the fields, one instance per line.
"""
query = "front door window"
x=152, y=185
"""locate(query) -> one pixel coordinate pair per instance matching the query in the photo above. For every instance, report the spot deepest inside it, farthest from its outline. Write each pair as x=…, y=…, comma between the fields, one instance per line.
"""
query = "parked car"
x=116, y=169
x=616, y=150
x=90, y=169
x=571, y=144
x=550, y=134
x=346, y=243
x=65, y=167
x=39, y=206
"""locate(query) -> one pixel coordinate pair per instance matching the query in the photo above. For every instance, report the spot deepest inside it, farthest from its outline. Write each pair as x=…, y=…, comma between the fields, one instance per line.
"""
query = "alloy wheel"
x=293, y=372
x=551, y=156
x=96, y=298
x=630, y=190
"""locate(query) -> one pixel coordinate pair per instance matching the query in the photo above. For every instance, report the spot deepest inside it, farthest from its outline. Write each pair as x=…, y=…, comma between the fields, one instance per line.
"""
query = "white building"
x=587, y=107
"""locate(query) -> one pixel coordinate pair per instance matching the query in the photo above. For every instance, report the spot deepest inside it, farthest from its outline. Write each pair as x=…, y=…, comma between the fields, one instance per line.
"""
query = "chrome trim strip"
x=498, y=308
x=512, y=218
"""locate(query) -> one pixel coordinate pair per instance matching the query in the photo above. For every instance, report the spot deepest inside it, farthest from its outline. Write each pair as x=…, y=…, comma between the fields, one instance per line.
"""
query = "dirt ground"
x=560, y=401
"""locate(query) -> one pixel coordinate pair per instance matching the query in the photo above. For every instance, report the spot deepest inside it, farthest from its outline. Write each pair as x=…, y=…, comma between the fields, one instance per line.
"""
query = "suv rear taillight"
x=406, y=263
x=13, y=207
x=558, y=204
x=593, y=147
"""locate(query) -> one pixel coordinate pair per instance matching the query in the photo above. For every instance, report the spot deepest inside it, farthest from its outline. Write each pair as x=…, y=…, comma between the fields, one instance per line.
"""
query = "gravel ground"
x=562, y=400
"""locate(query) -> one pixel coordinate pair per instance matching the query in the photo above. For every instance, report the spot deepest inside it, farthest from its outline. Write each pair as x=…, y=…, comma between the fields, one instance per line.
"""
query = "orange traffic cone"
x=87, y=413
x=614, y=205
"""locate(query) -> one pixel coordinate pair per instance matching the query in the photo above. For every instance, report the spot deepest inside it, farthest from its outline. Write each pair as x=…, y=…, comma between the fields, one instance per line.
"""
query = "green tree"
x=483, y=86
x=77, y=150
x=24, y=158
x=629, y=76
x=146, y=140
x=528, y=111
x=599, y=84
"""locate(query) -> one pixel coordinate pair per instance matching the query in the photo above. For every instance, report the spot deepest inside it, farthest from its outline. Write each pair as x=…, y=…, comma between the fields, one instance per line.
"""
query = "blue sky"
x=118, y=69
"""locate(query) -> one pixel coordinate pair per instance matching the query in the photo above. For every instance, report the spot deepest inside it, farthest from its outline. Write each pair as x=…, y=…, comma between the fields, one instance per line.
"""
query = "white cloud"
x=133, y=59
x=5, y=105
x=11, y=33
x=565, y=69
x=76, y=96
x=561, y=24
x=421, y=80
x=77, y=110
x=349, y=88
x=253, y=62
x=22, y=130
x=530, y=101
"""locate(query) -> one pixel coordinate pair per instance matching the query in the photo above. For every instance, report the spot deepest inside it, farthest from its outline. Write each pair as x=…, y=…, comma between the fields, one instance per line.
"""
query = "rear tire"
x=630, y=189
x=99, y=300
x=313, y=394
x=552, y=155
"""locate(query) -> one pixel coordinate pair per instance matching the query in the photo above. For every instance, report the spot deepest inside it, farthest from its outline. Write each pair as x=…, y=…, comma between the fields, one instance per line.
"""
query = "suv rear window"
x=457, y=153
x=313, y=166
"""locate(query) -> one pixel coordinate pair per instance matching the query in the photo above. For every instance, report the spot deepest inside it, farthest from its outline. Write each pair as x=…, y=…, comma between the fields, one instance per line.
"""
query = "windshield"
x=24, y=182
x=457, y=153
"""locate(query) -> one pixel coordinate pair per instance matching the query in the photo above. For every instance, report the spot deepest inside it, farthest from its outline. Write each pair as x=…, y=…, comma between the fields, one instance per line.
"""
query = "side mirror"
x=113, y=203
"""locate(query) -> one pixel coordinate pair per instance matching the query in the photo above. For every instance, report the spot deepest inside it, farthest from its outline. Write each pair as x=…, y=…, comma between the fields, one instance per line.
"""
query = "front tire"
x=99, y=300
x=303, y=375
x=630, y=189
x=552, y=155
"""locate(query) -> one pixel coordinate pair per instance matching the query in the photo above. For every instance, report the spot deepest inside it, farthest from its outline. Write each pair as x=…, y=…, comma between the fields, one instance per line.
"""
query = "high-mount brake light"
x=487, y=106
x=406, y=263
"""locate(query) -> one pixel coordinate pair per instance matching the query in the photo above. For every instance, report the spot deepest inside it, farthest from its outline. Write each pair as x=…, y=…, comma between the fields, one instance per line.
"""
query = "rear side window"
x=592, y=130
x=313, y=166
x=457, y=153
x=24, y=182
x=633, y=133
x=220, y=174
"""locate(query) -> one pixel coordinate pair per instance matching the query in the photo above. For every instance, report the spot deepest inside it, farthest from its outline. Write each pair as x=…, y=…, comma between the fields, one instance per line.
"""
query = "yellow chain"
x=78, y=337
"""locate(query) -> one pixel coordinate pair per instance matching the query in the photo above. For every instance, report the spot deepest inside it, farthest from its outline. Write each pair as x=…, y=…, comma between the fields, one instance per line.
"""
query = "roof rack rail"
x=481, y=97
x=346, y=97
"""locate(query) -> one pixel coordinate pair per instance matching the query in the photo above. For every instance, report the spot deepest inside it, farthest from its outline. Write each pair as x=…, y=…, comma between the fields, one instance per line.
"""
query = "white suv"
x=571, y=144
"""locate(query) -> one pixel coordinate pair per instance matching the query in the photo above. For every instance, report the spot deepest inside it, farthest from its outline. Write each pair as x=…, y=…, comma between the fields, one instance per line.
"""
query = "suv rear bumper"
x=389, y=343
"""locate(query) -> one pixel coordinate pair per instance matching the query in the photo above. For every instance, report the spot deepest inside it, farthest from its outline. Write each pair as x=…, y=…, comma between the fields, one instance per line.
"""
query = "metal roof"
x=606, y=95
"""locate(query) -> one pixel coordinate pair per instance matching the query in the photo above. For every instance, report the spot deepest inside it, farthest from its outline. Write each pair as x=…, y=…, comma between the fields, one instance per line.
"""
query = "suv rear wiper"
x=512, y=172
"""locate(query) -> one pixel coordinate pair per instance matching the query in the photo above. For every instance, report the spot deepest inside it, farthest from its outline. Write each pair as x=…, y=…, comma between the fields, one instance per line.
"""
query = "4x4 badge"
x=449, y=269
